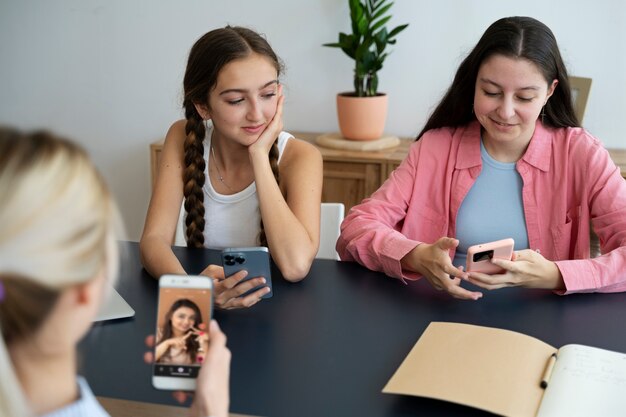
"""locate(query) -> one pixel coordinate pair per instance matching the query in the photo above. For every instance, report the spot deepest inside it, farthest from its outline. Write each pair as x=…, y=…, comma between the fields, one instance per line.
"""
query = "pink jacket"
x=569, y=180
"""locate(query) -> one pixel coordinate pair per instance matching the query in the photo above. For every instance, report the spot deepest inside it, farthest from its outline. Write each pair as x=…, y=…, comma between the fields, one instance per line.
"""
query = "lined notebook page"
x=586, y=381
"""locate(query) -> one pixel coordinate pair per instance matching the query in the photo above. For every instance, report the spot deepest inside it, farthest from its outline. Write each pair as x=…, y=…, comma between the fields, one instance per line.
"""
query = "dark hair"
x=192, y=345
x=516, y=37
x=207, y=57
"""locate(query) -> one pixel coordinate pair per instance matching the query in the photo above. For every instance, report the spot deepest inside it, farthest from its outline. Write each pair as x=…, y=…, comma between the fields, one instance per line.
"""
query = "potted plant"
x=366, y=45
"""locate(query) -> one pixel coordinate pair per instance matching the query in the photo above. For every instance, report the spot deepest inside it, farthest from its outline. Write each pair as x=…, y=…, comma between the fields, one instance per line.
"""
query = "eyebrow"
x=485, y=80
x=243, y=90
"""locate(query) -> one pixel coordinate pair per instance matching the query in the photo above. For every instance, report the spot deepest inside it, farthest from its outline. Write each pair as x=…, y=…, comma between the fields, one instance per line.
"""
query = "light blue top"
x=85, y=405
x=493, y=208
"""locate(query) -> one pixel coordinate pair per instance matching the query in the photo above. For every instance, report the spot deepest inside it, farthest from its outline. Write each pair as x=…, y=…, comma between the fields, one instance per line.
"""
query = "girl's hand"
x=266, y=139
x=433, y=263
x=179, y=342
x=527, y=268
x=202, y=337
x=213, y=271
x=227, y=291
x=212, y=386
x=212, y=394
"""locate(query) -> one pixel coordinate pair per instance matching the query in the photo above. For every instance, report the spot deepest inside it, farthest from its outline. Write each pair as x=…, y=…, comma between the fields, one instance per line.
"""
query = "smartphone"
x=255, y=260
x=479, y=256
x=183, y=316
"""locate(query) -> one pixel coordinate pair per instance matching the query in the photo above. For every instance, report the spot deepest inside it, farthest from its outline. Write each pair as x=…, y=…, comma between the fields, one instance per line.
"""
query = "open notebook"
x=114, y=307
x=505, y=372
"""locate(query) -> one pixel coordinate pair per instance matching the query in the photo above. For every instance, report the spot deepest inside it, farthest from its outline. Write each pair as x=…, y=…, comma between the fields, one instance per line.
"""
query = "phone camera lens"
x=229, y=262
x=240, y=259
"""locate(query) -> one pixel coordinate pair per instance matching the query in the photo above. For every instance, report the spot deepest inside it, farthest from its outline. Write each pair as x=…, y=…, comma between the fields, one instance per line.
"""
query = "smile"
x=502, y=124
x=253, y=129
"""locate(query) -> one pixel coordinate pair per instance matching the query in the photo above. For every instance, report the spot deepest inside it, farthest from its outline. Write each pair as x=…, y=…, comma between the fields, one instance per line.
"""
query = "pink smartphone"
x=479, y=256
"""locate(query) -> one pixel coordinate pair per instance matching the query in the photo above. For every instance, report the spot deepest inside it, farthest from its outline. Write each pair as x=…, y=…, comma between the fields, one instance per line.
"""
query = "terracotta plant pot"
x=361, y=118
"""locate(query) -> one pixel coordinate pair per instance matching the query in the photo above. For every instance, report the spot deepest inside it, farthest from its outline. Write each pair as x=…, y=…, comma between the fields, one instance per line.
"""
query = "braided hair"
x=207, y=57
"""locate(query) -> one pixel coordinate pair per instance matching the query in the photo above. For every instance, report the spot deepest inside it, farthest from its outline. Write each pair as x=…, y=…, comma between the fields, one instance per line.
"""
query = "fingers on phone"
x=180, y=396
x=148, y=357
x=149, y=340
x=251, y=299
x=232, y=281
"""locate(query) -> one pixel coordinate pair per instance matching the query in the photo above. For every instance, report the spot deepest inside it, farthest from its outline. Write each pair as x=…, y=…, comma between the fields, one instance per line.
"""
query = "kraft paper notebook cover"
x=501, y=371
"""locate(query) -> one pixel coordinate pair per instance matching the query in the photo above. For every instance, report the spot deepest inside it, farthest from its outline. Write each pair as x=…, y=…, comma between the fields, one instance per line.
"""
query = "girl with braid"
x=243, y=181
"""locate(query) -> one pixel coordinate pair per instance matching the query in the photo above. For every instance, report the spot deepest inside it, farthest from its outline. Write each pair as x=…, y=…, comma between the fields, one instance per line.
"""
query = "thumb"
x=216, y=335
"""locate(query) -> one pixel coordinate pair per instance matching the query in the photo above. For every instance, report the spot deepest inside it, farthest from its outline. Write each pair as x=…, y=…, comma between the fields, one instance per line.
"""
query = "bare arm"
x=291, y=218
x=158, y=233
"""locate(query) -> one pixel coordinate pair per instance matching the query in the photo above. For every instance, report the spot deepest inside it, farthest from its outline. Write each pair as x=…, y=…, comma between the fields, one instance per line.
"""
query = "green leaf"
x=379, y=24
x=381, y=12
x=356, y=14
x=362, y=25
x=397, y=30
x=375, y=4
x=381, y=40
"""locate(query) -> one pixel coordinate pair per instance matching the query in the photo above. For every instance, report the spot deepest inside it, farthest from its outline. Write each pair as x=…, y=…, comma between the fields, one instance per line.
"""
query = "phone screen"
x=183, y=317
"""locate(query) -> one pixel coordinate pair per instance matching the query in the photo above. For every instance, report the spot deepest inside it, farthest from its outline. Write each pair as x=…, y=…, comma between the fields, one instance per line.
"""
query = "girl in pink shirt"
x=512, y=92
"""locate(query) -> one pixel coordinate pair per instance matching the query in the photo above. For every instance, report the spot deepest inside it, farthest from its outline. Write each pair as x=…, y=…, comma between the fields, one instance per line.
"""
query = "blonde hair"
x=57, y=219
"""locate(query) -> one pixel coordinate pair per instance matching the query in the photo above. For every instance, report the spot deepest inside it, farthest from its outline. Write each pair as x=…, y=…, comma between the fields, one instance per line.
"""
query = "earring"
x=543, y=113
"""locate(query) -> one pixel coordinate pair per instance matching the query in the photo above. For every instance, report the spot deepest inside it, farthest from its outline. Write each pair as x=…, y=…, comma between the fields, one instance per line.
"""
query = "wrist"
x=411, y=260
x=559, y=283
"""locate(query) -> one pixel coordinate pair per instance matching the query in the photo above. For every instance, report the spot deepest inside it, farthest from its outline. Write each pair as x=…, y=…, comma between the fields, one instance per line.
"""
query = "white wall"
x=109, y=72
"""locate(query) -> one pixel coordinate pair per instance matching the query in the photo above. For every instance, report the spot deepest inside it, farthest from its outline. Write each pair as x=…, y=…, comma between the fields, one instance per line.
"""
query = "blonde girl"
x=57, y=253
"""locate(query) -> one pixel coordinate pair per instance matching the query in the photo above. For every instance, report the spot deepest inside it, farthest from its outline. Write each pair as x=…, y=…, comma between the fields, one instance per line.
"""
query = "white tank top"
x=232, y=220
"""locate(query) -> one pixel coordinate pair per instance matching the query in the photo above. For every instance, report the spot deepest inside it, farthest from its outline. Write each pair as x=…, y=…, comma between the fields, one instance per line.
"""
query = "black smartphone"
x=255, y=260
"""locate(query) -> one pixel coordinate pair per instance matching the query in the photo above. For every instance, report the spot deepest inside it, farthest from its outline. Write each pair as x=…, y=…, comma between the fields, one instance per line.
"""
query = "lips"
x=253, y=129
x=502, y=123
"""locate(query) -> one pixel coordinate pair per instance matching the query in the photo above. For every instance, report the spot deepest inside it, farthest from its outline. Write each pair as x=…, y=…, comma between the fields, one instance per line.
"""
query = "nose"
x=506, y=110
x=254, y=111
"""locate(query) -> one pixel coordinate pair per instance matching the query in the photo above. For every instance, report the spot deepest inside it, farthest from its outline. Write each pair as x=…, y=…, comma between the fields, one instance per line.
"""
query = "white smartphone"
x=479, y=256
x=255, y=260
x=183, y=316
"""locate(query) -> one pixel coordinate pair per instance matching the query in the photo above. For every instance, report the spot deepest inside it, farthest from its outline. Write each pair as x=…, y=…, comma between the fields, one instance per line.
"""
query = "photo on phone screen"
x=181, y=339
x=255, y=260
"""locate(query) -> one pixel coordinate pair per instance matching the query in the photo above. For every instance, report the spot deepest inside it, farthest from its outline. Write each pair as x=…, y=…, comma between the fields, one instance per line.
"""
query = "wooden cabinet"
x=351, y=176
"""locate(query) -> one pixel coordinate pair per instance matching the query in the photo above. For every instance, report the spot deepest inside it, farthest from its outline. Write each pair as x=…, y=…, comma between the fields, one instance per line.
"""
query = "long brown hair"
x=191, y=344
x=207, y=57
x=518, y=37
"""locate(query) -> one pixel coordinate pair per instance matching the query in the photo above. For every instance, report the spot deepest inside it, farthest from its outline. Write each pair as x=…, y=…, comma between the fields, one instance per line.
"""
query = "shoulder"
x=576, y=142
x=176, y=132
x=298, y=150
x=583, y=153
x=441, y=140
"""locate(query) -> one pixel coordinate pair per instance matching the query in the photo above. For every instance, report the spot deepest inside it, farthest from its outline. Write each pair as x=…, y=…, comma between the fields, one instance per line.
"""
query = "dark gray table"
x=326, y=346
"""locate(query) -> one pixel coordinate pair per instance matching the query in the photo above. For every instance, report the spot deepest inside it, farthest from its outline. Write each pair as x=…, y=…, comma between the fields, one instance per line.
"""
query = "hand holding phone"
x=255, y=260
x=479, y=256
x=183, y=313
